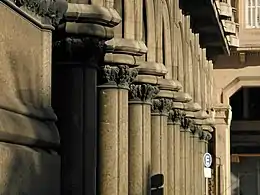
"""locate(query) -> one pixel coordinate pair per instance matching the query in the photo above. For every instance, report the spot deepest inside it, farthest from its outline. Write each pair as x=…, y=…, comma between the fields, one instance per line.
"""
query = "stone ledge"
x=151, y=68
x=168, y=84
x=20, y=129
x=121, y=59
x=126, y=46
x=84, y=13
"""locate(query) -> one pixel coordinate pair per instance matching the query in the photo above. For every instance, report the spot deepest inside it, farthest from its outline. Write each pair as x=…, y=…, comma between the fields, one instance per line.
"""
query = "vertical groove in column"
x=192, y=170
x=135, y=149
x=170, y=155
x=202, y=151
x=108, y=141
x=182, y=161
x=196, y=163
x=164, y=152
x=187, y=162
x=123, y=141
x=156, y=144
x=177, y=162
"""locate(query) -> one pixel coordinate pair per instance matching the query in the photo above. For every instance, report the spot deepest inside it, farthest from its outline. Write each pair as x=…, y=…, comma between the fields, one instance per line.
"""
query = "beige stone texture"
x=25, y=79
x=28, y=171
x=113, y=141
x=159, y=150
x=139, y=148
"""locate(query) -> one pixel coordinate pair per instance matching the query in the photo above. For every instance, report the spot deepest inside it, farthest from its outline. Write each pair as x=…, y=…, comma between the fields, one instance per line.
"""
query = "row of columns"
x=142, y=133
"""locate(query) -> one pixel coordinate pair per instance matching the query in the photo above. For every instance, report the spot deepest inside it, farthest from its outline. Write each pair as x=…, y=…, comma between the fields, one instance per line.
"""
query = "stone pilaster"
x=140, y=102
x=113, y=129
x=223, y=115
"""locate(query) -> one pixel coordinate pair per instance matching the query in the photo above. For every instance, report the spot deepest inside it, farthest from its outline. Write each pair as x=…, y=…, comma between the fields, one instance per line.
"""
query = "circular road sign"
x=207, y=160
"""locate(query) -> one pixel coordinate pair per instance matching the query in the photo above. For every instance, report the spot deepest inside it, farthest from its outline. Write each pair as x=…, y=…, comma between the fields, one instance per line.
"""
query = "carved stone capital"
x=51, y=11
x=175, y=116
x=196, y=129
x=89, y=51
x=143, y=92
x=186, y=122
x=205, y=135
x=161, y=105
x=121, y=76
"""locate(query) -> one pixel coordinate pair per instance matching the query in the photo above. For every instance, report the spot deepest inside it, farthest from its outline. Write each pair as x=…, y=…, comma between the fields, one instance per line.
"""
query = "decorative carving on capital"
x=121, y=76
x=161, y=105
x=143, y=92
x=205, y=135
x=52, y=11
x=196, y=129
x=175, y=116
x=186, y=122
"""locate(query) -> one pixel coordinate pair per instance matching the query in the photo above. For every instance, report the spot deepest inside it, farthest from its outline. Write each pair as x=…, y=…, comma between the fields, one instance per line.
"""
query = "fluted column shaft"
x=174, y=152
x=141, y=96
x=113, y=130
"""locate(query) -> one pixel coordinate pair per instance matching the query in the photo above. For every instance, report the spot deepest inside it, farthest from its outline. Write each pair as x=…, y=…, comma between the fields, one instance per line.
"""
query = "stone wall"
x=28, y=136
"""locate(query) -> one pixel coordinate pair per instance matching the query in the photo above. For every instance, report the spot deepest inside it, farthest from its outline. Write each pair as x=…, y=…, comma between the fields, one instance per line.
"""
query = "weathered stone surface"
x=27, y=171
x=25, y=81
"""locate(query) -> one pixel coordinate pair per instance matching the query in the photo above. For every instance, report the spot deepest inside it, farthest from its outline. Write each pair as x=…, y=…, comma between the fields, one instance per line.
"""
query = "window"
x=252, y=13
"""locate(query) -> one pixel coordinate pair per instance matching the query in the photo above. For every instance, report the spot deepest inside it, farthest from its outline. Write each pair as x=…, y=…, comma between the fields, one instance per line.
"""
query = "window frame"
x=254, y=21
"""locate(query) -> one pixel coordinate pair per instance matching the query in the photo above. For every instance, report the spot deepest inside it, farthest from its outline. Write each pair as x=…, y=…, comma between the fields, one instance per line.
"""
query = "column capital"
x=205, y=136
x=175, y=116
x=223, y=114
x=161, y=105
x=186, y=122
x=143, y=92
x=118, y=76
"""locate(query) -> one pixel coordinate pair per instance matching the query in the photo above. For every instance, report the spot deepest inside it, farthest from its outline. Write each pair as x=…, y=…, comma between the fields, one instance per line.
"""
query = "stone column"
x=113, y=130
x=141, y=96
x=159, y=139
x=174, y=150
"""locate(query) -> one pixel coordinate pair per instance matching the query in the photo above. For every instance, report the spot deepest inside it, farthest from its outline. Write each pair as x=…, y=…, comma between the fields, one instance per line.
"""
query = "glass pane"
x=249, y=17
x=249, y=2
